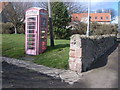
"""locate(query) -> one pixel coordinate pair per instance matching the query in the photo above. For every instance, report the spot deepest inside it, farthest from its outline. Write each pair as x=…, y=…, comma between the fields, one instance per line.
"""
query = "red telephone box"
x=36, y=22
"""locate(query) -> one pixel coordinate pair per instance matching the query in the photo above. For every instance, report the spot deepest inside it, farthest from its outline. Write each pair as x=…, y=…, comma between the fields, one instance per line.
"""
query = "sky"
x=105, y=5
x=102, y=5
x=95, y=4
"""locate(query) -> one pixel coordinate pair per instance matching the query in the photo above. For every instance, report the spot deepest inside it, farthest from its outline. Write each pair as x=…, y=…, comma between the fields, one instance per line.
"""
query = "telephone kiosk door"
x=31, y=35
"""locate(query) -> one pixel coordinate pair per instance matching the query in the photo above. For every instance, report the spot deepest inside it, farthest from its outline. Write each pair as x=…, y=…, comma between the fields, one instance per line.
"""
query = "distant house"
x=103, y=18
x=2, y=5
x=2, y=16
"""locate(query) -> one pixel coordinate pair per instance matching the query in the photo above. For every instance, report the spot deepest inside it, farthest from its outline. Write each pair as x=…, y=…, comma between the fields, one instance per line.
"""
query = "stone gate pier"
x=84, y=50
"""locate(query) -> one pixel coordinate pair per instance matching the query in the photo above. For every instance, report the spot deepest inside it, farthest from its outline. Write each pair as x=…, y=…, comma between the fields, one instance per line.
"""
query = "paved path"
x=103, y=74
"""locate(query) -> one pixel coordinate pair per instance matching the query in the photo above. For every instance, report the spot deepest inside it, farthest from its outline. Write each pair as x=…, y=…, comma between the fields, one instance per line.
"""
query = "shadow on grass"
x=49, y=48
x=60, y=46
x=102, y=61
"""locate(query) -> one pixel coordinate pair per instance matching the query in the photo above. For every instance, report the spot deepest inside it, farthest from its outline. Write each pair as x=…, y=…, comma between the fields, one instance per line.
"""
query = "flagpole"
x=88, y=24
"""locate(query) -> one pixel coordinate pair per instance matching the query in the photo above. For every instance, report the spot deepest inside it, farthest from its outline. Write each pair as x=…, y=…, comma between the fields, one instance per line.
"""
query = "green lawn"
x=14, y=46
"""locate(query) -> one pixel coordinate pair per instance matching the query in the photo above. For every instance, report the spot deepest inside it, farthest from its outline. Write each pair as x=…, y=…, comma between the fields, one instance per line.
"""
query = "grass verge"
x=13, y=46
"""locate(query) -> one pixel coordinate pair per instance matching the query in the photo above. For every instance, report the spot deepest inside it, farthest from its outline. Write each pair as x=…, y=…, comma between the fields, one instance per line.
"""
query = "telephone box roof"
x=38, y=8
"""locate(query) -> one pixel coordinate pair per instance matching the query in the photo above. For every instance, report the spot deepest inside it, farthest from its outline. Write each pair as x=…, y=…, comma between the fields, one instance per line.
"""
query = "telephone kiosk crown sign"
x=36, y=26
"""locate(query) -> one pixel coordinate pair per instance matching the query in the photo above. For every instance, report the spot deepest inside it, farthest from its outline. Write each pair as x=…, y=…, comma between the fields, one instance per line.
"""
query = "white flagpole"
x=88, y=24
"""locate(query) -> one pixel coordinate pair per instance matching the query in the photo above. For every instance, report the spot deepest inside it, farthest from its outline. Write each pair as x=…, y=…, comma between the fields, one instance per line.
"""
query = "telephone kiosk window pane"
x=42, y=39
x=31, y=31
x=31, y=23
x=29, y=47
x=43, y=22
x=43, y=29
x=42, y=34
x=31, y=43
x=31, y=19
x=31, y=35
x=31, y=39
x=31, y=27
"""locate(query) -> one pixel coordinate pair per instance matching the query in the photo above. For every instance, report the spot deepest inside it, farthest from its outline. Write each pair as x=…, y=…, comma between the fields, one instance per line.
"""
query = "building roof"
x=98, y=17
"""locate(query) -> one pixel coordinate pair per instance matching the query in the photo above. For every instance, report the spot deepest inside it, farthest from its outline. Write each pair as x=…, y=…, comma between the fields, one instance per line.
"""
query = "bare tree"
x=15, y=13
x=41, y=4
x=73, y=7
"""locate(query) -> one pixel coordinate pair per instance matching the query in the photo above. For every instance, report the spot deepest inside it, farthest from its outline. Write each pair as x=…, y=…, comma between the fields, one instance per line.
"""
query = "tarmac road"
x=103, y=74
x=18, y=77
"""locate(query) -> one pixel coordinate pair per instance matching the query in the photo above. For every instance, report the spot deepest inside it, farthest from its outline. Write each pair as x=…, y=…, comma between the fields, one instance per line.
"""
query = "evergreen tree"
x=61, y=19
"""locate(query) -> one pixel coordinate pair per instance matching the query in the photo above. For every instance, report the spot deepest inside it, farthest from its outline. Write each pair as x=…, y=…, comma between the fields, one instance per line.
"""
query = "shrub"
x=101, y=29
x=78, y=28
x=7, y=28
x=21, y=29
x=95, y=28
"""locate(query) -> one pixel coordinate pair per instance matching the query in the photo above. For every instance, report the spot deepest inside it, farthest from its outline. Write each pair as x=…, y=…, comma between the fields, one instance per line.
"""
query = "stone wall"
x=84, y=50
